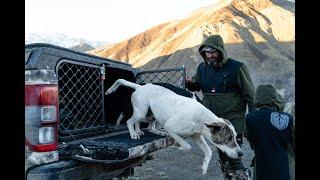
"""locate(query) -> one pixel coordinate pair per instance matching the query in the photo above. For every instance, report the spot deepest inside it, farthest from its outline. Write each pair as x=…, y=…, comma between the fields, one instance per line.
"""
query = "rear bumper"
x=72, y=169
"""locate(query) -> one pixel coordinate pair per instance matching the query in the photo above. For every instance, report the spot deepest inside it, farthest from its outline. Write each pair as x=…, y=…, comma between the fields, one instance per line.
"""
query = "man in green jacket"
x=227, y=90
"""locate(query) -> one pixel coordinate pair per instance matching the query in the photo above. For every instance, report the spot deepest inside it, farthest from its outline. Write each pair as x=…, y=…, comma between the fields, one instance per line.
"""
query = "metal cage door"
x=81, y=99
x=175, y=76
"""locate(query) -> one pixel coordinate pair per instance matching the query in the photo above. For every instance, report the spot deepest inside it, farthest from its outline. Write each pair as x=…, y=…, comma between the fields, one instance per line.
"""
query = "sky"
x=104, y=20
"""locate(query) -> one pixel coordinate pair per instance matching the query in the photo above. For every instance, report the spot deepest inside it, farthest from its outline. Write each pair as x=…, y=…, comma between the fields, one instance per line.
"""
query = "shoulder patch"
x=279, y=120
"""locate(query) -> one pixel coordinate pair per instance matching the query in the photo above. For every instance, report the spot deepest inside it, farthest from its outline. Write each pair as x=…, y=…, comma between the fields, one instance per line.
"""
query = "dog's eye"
x=230, y=138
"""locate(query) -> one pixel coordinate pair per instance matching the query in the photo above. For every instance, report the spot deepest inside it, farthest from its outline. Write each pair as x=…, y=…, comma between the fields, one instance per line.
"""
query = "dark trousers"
x=233, y=164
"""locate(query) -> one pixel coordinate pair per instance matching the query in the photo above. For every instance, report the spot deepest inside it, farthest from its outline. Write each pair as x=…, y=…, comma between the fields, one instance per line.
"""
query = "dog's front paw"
x=140, y=133
x=134, y=135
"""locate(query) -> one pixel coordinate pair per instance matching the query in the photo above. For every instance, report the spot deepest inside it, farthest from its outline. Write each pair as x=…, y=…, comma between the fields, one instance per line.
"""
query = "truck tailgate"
x=114, y=148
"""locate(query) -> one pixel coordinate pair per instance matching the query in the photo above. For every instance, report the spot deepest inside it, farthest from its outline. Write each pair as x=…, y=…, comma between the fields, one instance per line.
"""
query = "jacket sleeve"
x=249, y=134
x=194, y=84
x=246, y=87
x=292, y=139
x=291, y=151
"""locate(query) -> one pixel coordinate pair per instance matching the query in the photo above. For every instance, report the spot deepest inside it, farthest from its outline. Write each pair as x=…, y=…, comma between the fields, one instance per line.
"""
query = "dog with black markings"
x=150, y=118
x=181, y=117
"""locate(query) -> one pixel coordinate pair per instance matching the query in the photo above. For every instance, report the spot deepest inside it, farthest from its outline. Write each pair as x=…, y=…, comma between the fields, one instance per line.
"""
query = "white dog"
x=181, y=117
x=150, y=118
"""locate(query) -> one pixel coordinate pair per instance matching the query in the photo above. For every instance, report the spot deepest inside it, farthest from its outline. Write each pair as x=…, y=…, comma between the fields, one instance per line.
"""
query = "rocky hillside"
x=259, y=33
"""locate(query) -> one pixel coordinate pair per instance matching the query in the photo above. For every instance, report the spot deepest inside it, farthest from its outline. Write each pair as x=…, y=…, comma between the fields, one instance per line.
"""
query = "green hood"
x=267, y=96
x=216, y=42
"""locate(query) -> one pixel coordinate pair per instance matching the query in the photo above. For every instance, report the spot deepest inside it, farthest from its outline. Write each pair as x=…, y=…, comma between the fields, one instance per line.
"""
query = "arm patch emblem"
x=279, y=120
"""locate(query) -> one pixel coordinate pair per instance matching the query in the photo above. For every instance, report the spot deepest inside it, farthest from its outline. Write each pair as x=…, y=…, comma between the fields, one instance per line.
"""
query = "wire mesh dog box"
x=81, y=104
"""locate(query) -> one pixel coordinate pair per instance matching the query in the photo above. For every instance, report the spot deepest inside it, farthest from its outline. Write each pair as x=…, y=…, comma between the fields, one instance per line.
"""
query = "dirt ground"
x=171, y=163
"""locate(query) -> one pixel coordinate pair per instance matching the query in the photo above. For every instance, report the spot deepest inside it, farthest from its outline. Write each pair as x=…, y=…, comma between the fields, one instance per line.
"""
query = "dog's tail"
x=122, y=82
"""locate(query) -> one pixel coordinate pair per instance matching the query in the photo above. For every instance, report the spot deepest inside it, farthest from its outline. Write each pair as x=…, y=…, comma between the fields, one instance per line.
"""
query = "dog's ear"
x=214, y=126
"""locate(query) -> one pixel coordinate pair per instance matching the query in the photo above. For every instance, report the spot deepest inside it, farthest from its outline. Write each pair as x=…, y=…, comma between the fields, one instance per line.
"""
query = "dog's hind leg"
x=140, y=109
x=137, y=128
x=130, y=124
x=201, y=142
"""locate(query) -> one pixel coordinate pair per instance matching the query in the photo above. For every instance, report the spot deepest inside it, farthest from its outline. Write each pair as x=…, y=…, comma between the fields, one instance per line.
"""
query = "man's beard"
x=213, y=62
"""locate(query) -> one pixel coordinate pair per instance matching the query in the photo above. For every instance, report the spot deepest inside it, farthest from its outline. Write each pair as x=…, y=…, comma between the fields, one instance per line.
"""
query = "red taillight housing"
x=41, y=117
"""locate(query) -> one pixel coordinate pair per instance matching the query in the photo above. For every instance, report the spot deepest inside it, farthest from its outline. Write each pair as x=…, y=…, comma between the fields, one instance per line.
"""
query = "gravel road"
x=171, y=163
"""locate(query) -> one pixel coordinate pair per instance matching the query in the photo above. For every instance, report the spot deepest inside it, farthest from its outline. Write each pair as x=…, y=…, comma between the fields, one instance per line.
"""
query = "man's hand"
x=191, y=85
x=188, y=80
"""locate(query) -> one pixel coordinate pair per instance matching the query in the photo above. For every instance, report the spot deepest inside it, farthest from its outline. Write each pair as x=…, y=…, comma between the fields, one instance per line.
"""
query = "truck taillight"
x=41, y=117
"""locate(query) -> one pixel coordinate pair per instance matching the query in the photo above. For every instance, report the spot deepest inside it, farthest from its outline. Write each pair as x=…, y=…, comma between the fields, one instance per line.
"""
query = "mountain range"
x=259, y=33
x=63, y=40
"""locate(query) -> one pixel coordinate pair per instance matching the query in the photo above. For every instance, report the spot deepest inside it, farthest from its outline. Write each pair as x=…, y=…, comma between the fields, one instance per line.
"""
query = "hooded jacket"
x=227, y=87
x=268, y=97
x=270, y=133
